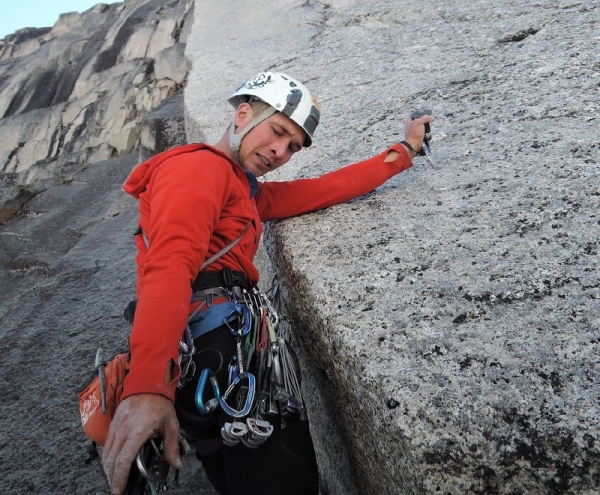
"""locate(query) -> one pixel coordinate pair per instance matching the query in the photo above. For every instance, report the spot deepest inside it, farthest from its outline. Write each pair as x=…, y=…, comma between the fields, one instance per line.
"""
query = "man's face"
x=270, y=144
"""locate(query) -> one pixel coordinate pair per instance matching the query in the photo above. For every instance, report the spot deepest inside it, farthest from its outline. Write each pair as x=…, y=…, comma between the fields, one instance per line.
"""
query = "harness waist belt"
x=223, y=278
x=211, y=318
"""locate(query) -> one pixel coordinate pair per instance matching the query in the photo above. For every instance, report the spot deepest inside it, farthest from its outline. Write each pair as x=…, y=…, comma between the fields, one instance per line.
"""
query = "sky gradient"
x=17, y=14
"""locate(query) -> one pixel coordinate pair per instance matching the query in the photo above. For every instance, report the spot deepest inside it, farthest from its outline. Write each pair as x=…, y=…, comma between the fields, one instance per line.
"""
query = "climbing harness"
x=262, y=383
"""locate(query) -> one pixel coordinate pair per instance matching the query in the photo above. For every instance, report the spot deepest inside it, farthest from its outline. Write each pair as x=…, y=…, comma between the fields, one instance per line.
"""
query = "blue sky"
x=17, y=14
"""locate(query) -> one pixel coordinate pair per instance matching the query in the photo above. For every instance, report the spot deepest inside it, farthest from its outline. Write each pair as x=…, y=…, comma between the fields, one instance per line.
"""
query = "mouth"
x=264, y=161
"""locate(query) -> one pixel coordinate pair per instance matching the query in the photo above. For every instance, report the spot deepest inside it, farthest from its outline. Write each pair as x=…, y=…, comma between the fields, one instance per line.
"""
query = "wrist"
x=411, y=151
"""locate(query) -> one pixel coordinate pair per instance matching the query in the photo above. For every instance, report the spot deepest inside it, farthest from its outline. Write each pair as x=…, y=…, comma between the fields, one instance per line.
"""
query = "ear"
x=242, y=115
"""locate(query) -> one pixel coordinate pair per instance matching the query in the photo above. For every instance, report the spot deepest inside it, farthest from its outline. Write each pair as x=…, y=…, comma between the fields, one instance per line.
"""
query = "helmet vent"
x=293, y=99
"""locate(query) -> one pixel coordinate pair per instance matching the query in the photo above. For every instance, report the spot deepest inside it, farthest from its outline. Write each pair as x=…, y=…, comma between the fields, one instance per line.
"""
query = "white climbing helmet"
x=284, y=94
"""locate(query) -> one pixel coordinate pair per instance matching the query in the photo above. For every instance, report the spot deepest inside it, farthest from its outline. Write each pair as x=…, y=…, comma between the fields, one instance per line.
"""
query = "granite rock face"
x=79, y=92
x=450, y=319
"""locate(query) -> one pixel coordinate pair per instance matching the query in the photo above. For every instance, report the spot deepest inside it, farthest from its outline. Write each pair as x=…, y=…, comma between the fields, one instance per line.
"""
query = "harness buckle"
x=232, y=278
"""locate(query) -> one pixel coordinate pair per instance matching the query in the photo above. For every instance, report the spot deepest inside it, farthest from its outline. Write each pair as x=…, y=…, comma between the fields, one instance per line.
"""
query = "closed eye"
x=293, y=146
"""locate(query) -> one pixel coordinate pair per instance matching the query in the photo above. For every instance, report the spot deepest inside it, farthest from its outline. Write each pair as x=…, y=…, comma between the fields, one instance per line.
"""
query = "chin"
x=243, y=165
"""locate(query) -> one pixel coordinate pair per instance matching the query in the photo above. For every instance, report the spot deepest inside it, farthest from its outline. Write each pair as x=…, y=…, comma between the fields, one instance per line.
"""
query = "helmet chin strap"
x=235, y=140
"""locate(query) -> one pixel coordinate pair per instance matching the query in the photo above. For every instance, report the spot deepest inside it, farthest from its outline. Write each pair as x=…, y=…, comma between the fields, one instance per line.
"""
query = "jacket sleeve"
x=185, y=201
x=277, y=200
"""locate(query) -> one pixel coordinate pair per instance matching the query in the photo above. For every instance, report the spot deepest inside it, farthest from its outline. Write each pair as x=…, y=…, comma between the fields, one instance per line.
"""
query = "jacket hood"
x=140, y=177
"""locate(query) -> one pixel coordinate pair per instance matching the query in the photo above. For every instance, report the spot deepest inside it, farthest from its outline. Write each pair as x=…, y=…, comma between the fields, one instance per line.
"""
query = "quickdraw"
x=263, y=380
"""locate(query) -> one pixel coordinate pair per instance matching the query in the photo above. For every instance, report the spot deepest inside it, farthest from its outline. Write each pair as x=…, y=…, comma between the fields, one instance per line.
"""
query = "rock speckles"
x=485, y=327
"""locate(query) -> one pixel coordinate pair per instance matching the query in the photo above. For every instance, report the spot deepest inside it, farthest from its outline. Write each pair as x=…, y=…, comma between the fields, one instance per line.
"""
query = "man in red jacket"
x=199, y=203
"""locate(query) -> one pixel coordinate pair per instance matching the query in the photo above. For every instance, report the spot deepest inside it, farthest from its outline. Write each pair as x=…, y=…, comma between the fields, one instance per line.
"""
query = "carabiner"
x=232, y=370
x=244, y=411
x=212, y=404
x=243, y=315
x=273, y=315
x=246, y=318
x=147, y=455
x=185, y=360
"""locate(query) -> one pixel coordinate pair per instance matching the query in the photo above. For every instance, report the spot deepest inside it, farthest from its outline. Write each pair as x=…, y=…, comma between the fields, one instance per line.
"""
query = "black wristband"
x=409, y=147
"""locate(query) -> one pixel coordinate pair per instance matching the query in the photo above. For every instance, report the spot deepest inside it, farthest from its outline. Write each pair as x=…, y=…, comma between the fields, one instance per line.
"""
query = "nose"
x=279, y=148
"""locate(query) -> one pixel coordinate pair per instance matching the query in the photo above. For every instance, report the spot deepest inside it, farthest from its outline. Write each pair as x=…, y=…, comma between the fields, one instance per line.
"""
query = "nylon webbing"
x=225, y=250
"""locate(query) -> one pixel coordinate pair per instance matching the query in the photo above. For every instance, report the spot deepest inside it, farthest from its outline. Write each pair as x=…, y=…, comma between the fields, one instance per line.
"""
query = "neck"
x=223, y=145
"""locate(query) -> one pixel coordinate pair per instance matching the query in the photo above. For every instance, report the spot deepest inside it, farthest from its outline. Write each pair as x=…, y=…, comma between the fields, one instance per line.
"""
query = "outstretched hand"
x=414, y=131
x=138, y=418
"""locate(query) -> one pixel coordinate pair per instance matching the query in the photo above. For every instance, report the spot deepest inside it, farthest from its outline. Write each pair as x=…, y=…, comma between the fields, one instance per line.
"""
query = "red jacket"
x=194, y=201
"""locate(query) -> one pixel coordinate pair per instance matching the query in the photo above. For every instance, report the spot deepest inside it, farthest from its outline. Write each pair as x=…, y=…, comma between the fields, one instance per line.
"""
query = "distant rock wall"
x=79, y=92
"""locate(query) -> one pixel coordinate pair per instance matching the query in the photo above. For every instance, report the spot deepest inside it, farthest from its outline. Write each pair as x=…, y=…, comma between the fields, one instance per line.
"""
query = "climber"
x=199, y=202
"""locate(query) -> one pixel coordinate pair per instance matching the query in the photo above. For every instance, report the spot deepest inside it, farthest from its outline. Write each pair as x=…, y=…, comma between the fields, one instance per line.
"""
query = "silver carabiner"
x=185, y=359
x=139, y=461
x=272, y=313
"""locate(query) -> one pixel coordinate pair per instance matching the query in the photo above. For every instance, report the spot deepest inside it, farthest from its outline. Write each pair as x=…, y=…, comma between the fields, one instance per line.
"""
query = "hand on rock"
x=414, y=131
